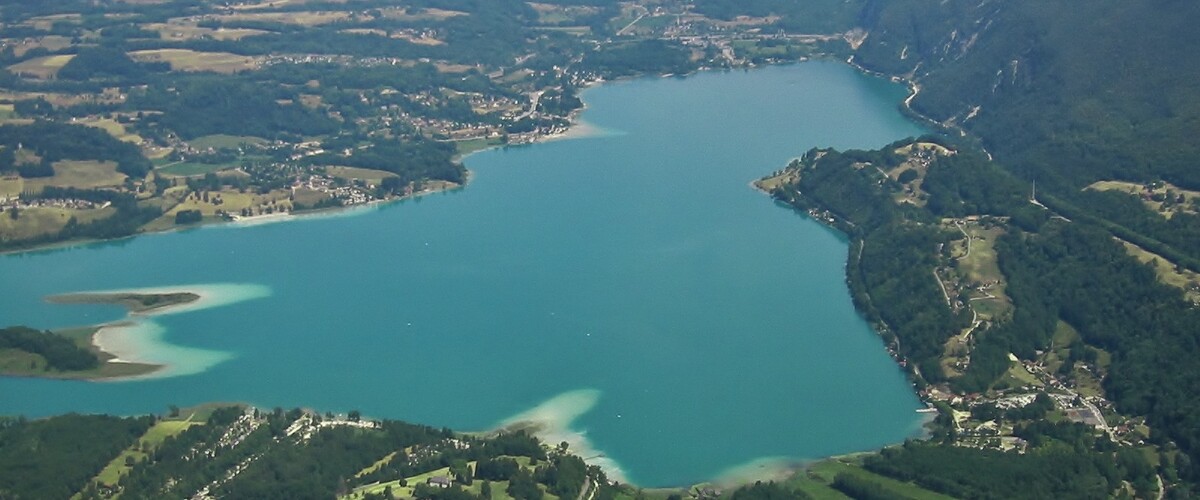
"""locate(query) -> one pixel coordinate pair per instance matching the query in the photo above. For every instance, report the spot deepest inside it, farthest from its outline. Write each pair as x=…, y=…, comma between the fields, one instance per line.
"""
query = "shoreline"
x=551, y=422
x=444, y=186
x=135, y=342
x=575, y=129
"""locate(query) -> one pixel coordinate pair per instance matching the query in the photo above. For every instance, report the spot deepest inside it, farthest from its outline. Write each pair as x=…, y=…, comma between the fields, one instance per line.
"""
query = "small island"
x=136, y=303
x=81, y=353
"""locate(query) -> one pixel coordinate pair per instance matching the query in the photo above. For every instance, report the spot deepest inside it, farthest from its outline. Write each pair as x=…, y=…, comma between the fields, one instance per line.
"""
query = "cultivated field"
x=190, y=60
x=218, y=141
x=41, y=67
x=113, y=128
x=186, y=30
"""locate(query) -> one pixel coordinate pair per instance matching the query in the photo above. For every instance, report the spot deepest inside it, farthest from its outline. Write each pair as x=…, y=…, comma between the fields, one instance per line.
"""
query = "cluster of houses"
x=68, y=203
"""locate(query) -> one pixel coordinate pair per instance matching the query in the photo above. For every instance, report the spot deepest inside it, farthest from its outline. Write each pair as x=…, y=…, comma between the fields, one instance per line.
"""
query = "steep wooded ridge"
x=1061, y=92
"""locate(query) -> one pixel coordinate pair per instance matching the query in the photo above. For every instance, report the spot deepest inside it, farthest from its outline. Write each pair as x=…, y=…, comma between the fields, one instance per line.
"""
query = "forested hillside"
x=1060, y=95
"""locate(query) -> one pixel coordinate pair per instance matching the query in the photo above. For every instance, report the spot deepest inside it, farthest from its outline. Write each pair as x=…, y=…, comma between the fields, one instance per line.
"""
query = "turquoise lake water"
x=697, y=325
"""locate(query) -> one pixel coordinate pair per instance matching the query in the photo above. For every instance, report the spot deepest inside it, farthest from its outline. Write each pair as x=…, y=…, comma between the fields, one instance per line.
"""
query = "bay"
x=672, y=318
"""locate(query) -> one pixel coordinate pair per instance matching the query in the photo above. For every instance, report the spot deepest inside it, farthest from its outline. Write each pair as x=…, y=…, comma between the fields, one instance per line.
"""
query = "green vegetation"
x=238, y=452
x=56, y=458
x=384, y=98
x=54, y=351
x=135, y=302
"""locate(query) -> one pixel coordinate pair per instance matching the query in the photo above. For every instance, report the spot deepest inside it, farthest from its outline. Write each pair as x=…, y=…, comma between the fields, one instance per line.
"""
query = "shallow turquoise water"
x=713, y=326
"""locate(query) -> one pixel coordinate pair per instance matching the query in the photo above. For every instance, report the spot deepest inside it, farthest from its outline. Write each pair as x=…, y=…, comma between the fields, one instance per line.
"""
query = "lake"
x=629, y=287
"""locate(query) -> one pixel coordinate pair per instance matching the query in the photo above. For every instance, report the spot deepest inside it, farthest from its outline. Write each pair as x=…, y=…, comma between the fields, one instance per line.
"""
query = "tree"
x=354, y=416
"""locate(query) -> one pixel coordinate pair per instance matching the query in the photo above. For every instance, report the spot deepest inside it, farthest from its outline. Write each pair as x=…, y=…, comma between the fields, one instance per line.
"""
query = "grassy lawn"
x=218, y=141
x=190, y=60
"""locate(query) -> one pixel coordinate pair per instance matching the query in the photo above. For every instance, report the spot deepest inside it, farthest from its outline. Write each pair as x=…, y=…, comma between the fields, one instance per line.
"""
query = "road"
x=534, y=97
x=630, y=25
x=958, y=224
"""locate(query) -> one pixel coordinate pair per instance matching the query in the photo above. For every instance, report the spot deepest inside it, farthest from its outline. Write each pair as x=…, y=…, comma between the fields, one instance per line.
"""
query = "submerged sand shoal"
x=139, y=339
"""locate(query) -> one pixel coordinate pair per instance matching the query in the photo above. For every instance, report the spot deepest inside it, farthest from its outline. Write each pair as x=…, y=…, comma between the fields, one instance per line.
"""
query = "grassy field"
x=85, y=174
x=981, y=266
x=1164, y=189
x=1018, y=376
x=472, y=145
x=188, y=169
x=768, y=184
x=1168, y=273
x=570, y=30
x=49, y=42
x=218, y=141
x=190, y=60
x=10, y=186
x=39, y=221
x=375, y=466
x=113, y=128
x=1060, y=343
x=825, y=471
x=422, y=14
x=41, y=67
x=813, y=487
x=56, y=99
x=153, y=437
x=300, y=18
x=186, y=30
x=365, y=174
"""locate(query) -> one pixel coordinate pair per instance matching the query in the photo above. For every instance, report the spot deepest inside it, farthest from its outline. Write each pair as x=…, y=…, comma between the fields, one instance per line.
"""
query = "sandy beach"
x=551, y=421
